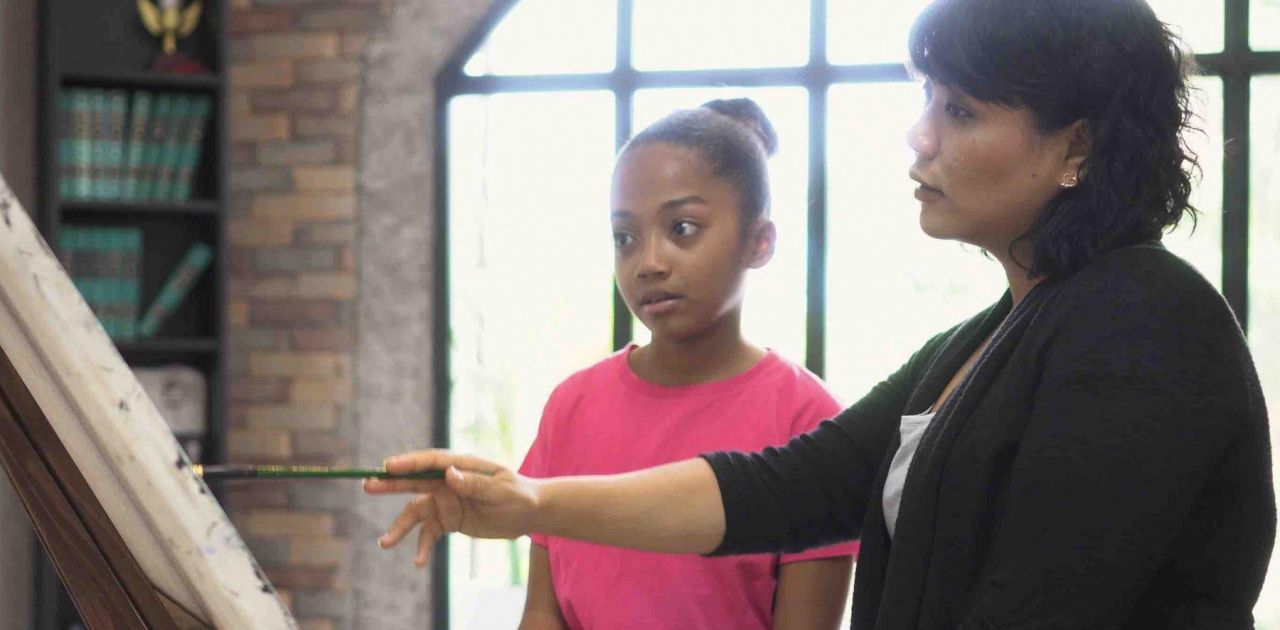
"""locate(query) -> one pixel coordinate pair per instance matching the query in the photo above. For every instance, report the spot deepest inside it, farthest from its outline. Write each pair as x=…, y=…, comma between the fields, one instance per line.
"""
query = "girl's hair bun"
x=747, y=113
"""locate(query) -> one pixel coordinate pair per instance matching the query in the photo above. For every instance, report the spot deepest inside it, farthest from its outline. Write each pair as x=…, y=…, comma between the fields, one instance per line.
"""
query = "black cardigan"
x=1106, y=464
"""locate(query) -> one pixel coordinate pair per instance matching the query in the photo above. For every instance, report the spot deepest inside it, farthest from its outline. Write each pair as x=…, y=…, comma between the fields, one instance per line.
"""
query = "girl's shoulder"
x=799, y=391
x=601, y=374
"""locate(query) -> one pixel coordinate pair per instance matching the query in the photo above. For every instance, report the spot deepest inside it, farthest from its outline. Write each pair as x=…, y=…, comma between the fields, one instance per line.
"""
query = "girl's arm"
x=812, y=593
x=541, y=610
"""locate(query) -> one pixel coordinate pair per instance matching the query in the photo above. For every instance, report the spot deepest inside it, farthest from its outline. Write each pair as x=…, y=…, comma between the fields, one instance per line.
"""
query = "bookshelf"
x=93, y=47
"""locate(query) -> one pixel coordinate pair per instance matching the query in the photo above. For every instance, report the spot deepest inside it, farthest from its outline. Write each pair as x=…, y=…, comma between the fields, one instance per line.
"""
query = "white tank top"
x=911, y=430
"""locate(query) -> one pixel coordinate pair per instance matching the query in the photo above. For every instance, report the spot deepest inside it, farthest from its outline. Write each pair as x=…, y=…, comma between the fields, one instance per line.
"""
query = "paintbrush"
x=306, y=472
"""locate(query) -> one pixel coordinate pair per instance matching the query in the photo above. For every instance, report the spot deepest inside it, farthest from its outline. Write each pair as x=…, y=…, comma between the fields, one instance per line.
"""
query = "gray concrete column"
x=396, y=219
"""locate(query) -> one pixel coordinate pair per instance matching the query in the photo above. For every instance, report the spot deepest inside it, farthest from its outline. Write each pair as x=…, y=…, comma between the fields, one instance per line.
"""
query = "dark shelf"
x=96, y=45
x=169, y=345
x=194, y=207
x=157, y=80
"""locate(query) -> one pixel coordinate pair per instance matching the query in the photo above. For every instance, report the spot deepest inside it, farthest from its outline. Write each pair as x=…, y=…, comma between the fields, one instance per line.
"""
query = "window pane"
x=528, y=175
x=774, y=310
x=1200, y=23
x=889, y=287
x=1264, y=285
x=1264, y=24
x=682, y=35
x=550, y=37
x=859, y=31
x=1200, y=243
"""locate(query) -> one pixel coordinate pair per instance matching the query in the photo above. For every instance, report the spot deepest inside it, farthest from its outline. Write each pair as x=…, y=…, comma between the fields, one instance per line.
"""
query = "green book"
x=76, y=241
x=103, y=278
x=113, y=149
x=139, y=118
x=67, y=246
x=176, y=288
x=130, y=242
x=157, y=130
x=87, y=266
x=82, y=143
x=66, y=146
x=113, y=277
x=99, y=119
x=193, y=139
x=171, y=150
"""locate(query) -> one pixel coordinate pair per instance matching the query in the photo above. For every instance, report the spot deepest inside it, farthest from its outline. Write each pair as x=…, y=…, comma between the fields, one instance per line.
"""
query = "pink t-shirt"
x=605, y=419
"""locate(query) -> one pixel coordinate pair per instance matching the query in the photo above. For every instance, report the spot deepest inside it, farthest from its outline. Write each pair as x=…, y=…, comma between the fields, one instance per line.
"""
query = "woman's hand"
x=673, y=508
x=476, y=497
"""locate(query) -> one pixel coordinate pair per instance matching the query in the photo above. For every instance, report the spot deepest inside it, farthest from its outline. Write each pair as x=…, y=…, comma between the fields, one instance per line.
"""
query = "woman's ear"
x=1079, y=144
x=763, y=239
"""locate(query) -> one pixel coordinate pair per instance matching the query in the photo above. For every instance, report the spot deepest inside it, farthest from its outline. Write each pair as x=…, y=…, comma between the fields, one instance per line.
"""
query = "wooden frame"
x=137, y=538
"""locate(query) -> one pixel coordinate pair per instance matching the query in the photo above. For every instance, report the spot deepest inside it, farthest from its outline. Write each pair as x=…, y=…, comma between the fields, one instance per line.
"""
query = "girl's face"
x=985, y=170
x=681, y=254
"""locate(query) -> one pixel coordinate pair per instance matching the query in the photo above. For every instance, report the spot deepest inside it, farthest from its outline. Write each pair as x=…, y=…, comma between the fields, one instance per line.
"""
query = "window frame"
x=1236, y=65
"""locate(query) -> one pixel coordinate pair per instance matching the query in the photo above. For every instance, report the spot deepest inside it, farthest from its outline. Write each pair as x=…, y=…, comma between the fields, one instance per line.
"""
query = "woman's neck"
x=1019, y=284
x=716, y=353
x=1015, y=270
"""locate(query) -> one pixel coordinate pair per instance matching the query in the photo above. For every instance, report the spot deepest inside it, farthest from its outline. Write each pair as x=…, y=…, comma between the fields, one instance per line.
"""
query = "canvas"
x=118, y=442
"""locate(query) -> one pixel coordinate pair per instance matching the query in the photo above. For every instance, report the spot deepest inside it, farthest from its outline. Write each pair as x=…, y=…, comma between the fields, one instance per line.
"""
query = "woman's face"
x=680, y=252
x=985, y=170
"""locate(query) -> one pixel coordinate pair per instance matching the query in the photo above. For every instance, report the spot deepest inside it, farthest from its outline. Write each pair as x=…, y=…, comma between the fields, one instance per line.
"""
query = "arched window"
x=533, y=107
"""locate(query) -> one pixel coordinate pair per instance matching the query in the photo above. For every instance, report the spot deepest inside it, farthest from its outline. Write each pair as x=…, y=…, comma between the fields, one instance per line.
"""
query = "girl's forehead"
x=661, y=160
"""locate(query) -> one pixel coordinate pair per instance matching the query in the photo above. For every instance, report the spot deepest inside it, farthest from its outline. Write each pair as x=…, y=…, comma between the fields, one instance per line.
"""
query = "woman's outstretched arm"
x=810, y=492
x=674, y=508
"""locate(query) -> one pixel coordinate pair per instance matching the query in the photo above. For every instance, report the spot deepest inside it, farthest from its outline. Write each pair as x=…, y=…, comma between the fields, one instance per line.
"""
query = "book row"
x=139, y=146
x=106, y=265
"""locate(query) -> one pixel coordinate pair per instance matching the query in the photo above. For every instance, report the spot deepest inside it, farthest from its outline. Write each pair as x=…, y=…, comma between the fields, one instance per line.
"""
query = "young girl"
x=690, y=207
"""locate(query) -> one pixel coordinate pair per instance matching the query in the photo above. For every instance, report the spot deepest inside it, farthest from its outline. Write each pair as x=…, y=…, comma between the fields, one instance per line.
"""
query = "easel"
x=135, y=536
x=102, y=577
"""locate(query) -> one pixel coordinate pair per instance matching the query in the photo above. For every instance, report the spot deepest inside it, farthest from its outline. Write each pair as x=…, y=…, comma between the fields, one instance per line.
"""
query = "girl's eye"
x=621, y=239
x=683, y=228
x=955, y=111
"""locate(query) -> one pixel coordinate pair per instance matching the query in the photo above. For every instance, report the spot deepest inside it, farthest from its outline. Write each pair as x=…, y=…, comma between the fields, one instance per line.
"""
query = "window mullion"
x=1235, y=189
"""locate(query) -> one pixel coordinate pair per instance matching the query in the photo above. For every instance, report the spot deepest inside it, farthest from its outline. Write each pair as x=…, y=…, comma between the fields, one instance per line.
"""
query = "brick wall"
x=292, y=281
x=316, y=257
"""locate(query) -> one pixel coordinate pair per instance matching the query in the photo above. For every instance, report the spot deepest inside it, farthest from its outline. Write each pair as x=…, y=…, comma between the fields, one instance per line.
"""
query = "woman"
x=1090, y=451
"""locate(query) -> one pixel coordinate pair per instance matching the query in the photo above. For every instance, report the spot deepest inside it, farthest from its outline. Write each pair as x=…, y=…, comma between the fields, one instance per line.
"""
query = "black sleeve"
x=812, y=491
x=1141, y=398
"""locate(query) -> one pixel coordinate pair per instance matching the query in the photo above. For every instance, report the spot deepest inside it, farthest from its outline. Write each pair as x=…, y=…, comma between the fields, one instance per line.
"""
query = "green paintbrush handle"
x=306, y=472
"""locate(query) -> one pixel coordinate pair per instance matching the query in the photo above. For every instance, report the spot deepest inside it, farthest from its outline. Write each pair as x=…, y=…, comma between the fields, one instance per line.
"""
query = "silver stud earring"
x=1070, y=180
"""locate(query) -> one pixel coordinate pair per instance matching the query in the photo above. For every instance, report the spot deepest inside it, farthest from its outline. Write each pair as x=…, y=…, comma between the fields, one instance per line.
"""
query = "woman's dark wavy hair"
x=736, y=139
x=1110, y=63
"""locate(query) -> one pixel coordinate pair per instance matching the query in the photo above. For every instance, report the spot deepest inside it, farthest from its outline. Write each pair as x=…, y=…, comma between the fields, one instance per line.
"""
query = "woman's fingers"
x=437, y=459
x=469, y=484
x=475, y=496
x=413, y=513
x=398, y=486
x=429, y=533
